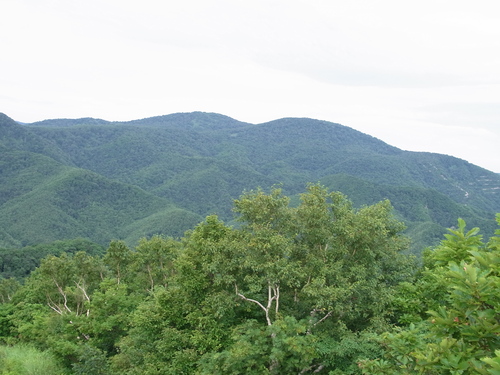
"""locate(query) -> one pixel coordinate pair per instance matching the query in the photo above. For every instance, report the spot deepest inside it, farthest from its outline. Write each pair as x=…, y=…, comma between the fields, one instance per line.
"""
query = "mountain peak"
x=199, y=162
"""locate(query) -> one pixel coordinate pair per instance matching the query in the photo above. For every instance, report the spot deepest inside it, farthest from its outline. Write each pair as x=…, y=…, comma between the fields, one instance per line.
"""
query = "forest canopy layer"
x=318, y=287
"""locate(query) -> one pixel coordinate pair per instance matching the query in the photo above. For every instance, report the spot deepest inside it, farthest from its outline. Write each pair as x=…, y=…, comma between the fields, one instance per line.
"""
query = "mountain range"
x=101, y=180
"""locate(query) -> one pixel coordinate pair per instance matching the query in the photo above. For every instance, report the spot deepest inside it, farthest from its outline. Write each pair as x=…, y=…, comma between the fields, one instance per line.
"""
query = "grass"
x=26, y=360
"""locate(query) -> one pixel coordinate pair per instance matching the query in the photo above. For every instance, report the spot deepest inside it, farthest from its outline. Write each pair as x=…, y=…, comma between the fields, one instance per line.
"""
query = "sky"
x=420, y=75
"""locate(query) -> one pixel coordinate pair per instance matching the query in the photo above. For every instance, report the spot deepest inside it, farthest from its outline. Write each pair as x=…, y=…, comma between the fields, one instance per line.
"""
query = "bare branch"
x=269, y=296
x=307, y=369
x=79, y=286
x=313, y=313
x=63, y=294
x=323, y=318
x=65, y=298
x=82, y=288
x=55, y=308
x=266, y=310
x=277, y=297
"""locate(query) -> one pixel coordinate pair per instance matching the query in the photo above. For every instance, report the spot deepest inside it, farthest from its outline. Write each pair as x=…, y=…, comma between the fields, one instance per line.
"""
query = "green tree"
x=91, y=361
x=152, y=261
x=290, y=290
x=65, y=282
x=177, y=324
x=325, y=265
x=111, y=306
x=117, y=258
x=460, y=336
x=7, y=289
x=53, y=308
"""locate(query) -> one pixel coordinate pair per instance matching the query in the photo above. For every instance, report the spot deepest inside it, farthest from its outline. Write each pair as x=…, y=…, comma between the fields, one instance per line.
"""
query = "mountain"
x=102, y=180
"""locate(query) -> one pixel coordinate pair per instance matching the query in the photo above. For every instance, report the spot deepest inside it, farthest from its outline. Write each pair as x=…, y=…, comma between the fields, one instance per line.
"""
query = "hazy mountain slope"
x=201, y=161
x=426, y=212
x=126, y=152
x=211, y=187
x=198, y=121
x=462, y=181
x=43, y=200
x=315, y=149
x=14, y=136
x=21, y=172
x=192, y=121
x=161, y=151
x=66, y=122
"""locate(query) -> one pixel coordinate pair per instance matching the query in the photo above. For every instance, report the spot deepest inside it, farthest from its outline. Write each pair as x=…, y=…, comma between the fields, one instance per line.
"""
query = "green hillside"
x=101, y=180
x=43, y=200
x=425, y=211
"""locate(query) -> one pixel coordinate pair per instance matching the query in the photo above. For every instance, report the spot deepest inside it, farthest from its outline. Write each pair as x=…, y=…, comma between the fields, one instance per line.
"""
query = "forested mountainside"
x=101, y=180
x=315, y=281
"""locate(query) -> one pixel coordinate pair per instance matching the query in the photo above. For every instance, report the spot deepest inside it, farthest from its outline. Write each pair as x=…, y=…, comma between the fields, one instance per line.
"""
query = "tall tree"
x=152, y=261
x=462, y=334
x=117, y=258
x=290, y=290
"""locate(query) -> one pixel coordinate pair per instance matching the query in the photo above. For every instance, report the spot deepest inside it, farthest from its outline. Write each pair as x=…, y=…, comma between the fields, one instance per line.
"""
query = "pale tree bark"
x=81, y=286
x=57, y=307
x=273, y=294
x=316, y=368
x=313, y=313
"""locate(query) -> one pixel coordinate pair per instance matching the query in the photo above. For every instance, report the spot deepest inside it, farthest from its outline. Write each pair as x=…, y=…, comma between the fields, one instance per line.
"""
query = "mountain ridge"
x=199, y=162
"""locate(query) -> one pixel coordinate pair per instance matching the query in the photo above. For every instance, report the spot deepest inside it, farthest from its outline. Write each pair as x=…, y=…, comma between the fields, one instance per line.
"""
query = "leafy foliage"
x=18, y=263
x=461, y=333
x=279, y=294
x=302, y=283
x=318, y=286
x=289, y=290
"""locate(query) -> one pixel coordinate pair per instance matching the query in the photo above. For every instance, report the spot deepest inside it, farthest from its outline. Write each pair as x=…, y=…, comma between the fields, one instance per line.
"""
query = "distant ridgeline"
x=89, y=178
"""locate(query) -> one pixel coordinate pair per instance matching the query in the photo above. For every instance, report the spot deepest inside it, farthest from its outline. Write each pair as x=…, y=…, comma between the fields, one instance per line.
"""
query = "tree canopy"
x=313, y=287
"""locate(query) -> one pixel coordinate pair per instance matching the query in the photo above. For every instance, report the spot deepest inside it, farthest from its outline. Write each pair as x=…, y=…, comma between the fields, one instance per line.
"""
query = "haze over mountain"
x=102, y=180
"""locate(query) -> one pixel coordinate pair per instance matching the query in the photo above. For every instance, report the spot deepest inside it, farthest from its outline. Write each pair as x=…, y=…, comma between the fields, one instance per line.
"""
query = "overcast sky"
x=420, y=75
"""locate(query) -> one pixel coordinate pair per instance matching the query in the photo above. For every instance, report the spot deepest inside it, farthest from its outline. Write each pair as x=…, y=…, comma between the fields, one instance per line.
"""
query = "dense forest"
x=99, y=180
x=186, y=244
x=319, y=286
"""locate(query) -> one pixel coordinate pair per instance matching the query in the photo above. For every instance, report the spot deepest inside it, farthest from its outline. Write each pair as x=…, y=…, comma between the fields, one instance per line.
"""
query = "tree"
x=152, y=262
x=290, y=290
x=117, y=257
x=65, y=282
x=462, y=335
x=53, y=308
x=7, y=289
x=325, y=265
